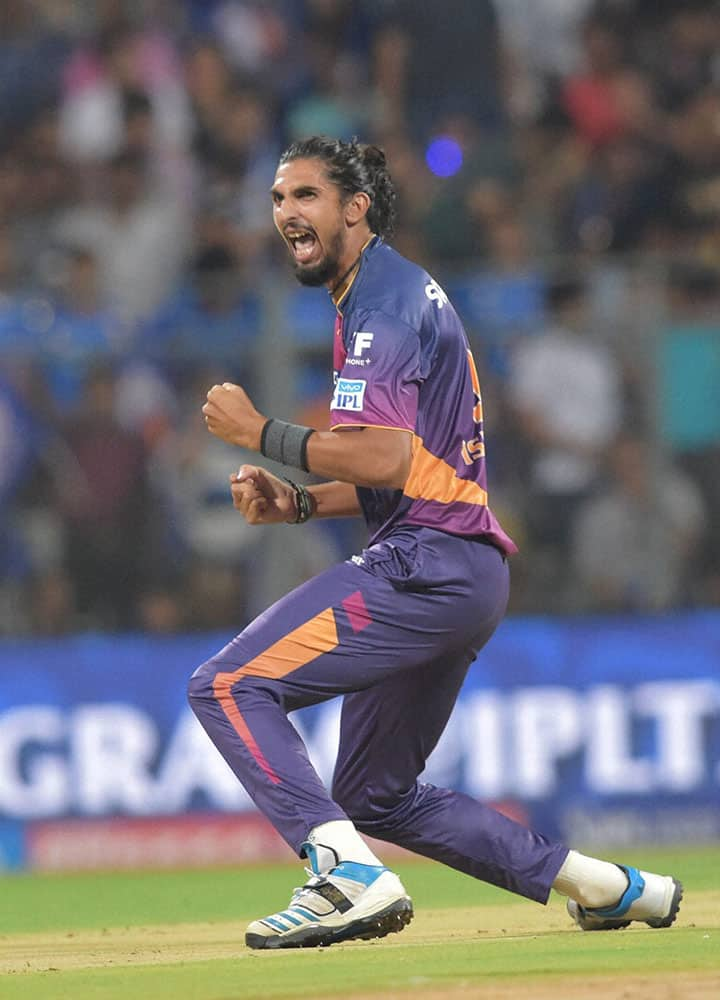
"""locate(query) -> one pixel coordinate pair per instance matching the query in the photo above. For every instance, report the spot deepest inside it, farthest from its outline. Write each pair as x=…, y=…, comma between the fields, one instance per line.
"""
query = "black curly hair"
x=353, y=166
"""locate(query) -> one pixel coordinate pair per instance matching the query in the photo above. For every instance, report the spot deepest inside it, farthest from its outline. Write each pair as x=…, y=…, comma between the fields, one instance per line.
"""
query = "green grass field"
x=179, y=936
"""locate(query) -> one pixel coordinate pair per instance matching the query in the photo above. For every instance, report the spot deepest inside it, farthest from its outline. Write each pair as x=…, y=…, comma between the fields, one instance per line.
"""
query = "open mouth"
x=303, y=244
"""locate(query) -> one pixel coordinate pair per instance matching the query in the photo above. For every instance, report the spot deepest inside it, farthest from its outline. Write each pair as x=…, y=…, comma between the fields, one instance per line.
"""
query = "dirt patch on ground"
x=171, y=943
x=683, y=986
x=121, y=946
x=126, y=947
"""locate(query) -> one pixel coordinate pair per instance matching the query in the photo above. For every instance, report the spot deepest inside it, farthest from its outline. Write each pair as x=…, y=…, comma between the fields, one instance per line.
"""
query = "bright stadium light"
x=444, y=156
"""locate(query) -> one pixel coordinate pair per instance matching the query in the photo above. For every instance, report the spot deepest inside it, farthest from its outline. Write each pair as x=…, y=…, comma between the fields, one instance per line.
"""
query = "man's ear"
x=356, y=208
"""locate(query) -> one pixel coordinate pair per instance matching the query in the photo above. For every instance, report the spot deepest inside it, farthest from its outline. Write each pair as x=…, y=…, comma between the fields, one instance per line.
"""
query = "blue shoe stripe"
x=365, y=874
x=286, y=915
x=308, y=914
x=275, y=923
x=634, y=891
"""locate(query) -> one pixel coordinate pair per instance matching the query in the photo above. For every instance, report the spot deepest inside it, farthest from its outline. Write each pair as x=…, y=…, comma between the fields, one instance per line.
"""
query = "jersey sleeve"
x=379, y=381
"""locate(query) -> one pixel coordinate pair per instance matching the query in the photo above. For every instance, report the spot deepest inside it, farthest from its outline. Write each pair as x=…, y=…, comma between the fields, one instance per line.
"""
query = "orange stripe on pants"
x=316, y=636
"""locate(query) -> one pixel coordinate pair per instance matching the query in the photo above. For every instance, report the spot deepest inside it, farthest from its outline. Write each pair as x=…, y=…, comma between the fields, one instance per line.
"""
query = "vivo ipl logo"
x=349, y=394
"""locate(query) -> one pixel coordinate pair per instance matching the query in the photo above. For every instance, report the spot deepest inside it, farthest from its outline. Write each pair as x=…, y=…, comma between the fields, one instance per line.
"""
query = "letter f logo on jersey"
x=361, y=342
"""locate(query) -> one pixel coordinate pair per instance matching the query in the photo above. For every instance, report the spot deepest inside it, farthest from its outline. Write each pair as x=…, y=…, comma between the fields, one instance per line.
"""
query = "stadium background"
x=558, y=167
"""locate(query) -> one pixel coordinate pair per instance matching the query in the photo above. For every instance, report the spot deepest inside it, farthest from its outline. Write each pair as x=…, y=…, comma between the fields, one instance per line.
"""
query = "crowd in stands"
x=558, y=170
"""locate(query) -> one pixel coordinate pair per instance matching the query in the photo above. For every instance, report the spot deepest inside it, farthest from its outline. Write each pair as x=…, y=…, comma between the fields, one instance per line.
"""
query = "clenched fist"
x=230, y=415
x=261, y=497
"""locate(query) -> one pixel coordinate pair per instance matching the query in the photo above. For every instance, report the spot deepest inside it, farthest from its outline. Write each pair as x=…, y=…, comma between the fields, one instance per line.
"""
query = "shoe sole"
x=655, y=922
x=391, y=920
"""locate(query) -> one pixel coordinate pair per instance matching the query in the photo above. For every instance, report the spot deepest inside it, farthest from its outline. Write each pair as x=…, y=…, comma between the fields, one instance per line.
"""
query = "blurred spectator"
x=545, y=33
x=216, y=596
x=191, y=476
x=684, y=60
x=429, y=67
x=207, y=80
x=540, y=42
x=146, y=399
x=258, y=39
x=161, y=608
x=336, y=99
x=505, y=298
x=236, y=159
x=565, y=389
x=212, y=320
x=307, y=554
x=336, y=102
x=36, y=187
x=607, y=98
x=51, y=601
x=9, y=276
x=622, y=201
x=140, y=237
x=695, y=144
x=464, y=206
x=688, y=399
x=138, y=145
x=633, y=545
x=104, y=501
x=414, y=186
x=103, y=83
x=32, y=53
x=20, y=442
x=82, y=329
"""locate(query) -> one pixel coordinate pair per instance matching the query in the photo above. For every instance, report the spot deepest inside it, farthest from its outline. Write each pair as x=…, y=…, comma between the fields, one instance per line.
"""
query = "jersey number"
x=474, y=449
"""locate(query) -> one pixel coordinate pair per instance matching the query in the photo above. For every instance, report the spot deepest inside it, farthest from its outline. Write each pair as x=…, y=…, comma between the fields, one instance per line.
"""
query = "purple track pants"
x=393, y=631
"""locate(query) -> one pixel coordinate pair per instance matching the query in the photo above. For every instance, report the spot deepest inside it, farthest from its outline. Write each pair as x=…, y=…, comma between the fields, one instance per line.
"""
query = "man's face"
x=308, y=214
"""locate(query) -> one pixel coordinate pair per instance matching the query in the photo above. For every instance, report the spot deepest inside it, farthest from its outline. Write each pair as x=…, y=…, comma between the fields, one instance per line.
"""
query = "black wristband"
x=303, y=503
x=263, y=435
x=285, y=443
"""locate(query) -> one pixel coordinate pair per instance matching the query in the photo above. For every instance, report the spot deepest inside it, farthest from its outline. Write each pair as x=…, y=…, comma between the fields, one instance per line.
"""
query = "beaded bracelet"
x=303, y=502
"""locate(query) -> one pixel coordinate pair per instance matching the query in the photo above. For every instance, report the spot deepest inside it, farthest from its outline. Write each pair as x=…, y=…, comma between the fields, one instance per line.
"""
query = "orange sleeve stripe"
x=316, y=636
x=433, y=479
x=380, y=427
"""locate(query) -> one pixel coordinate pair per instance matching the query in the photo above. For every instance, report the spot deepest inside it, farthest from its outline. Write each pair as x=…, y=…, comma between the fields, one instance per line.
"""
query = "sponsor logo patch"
x=349, y=394
x=362, y=341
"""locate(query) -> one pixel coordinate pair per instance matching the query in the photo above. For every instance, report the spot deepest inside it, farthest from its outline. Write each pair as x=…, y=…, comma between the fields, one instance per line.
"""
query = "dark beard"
x=317, y=275
x=325, y=270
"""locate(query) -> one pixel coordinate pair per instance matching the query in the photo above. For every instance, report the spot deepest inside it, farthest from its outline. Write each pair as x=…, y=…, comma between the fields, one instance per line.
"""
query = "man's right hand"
x=261, y=497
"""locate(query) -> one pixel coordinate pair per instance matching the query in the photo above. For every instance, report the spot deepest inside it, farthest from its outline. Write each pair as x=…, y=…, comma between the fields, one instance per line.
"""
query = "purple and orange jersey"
x=402, y=361
x=394, y=630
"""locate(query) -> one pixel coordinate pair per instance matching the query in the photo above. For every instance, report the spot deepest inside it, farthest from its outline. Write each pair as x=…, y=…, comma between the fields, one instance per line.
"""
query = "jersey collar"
x=371, y=242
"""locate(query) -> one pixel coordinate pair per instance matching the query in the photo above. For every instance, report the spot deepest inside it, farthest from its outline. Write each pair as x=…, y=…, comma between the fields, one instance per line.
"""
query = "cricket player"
x=393, y=629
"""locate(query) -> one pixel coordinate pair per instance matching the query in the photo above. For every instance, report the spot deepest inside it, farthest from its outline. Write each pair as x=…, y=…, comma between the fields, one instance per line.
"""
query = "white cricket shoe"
x=349, y=901
x=652, y=899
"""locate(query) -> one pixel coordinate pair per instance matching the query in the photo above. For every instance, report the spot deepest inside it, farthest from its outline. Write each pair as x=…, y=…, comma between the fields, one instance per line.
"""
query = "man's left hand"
x=230, y=415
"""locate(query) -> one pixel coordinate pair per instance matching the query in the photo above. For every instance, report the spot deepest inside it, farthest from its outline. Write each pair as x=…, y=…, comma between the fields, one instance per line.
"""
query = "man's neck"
x=339, y=286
